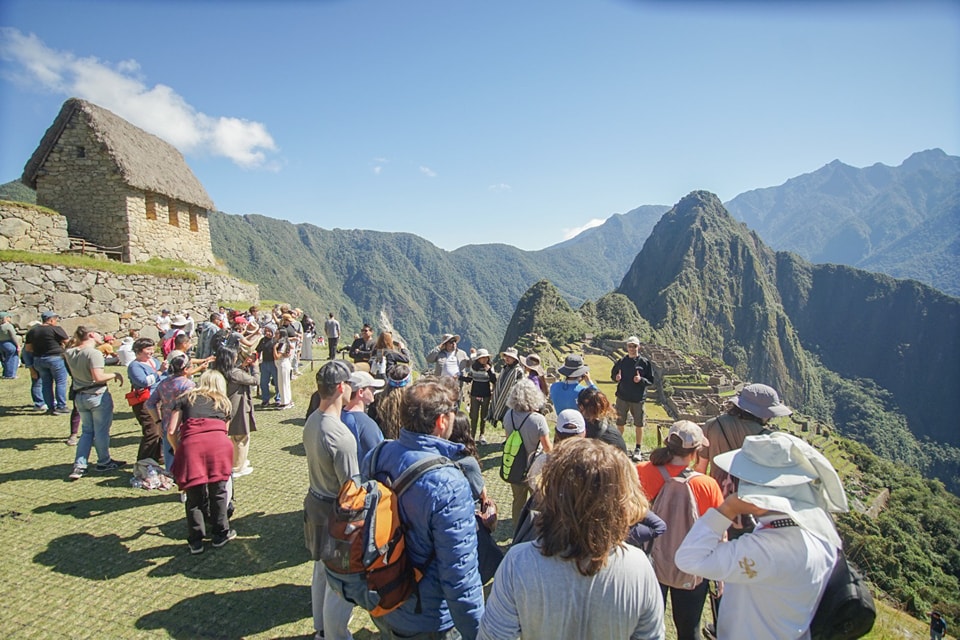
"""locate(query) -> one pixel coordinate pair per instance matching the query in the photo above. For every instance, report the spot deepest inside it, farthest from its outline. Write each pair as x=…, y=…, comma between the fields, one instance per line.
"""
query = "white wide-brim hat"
x=781, y=472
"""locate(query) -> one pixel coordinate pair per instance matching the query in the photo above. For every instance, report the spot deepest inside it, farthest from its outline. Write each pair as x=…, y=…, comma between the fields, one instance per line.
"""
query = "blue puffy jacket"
x=438, y=510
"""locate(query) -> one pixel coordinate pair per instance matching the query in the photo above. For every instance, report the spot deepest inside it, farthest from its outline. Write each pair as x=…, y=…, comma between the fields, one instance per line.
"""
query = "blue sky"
x=476, y=122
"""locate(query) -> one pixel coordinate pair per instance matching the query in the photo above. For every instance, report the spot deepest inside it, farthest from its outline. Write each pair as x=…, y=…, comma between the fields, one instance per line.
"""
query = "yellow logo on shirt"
x=747, y=566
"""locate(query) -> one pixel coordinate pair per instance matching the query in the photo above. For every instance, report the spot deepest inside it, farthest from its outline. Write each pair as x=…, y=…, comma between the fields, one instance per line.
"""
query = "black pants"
x=332, y=344
x=687, y=609
x=150, y=441
x=207, y=500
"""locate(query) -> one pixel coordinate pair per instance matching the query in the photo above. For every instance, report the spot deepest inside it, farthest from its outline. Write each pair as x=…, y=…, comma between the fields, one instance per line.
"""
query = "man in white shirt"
x=447, y=359
x=774, y=576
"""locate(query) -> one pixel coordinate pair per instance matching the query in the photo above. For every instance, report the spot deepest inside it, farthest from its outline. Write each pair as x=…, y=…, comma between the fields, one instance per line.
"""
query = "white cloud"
x=378, y=164
x=500, y=187
x=427, y=171
x=121, y=89
x=570, y=233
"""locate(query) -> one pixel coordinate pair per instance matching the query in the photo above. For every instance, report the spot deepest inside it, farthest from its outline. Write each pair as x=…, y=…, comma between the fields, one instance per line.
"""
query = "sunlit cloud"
x=121, y=88
x=427, y=171
x=570, y=233
x=500, y=187
x=378, y=164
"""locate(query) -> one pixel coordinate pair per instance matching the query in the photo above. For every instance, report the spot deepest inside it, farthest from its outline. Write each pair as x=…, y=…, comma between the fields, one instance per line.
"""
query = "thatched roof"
x=144, y=160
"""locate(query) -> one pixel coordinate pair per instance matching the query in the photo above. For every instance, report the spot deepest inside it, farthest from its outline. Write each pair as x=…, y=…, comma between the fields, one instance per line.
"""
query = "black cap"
x=333, y=373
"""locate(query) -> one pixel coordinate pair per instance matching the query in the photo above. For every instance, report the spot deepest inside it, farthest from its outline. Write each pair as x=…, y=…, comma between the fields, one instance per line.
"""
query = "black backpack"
x=846, y=610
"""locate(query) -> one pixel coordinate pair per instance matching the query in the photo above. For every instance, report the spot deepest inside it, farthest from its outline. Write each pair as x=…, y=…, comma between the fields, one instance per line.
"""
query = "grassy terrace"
x=97, y=558
x=155, y=267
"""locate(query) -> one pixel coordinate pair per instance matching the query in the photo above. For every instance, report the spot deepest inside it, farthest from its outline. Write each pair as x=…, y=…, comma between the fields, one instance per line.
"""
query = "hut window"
x=81, y=152
x=193, y=219
x=151, y=207
x=174, y=218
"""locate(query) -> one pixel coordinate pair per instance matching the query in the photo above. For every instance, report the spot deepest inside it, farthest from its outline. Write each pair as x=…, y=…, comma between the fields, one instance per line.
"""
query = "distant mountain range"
x=706, y=283
x=703, y=281
x=903, y=221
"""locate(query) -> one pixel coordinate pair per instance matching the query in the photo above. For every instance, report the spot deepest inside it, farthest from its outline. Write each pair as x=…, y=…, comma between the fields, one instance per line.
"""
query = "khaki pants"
x=241, y=447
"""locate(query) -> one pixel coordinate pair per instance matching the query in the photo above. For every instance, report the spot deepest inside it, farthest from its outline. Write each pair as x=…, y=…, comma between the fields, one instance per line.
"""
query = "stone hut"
x=119, y=186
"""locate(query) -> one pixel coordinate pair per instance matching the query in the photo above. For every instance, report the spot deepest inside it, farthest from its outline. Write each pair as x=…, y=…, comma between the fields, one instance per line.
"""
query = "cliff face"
x=900, y=333
x=707, y=284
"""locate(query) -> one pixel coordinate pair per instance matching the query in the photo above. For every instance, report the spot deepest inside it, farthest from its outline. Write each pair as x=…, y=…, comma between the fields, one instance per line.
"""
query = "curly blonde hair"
x=589, y=498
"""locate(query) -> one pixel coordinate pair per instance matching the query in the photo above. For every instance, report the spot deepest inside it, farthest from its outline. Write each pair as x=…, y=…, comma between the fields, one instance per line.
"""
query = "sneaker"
x=72, y=440
x=239, y=473
x=110, y=466
x=42, y=408
x=219, y=541
x=196, y=548
x=286, y=406
x=77, y=472
x=61, y=412
x=637, y=455
x=482, y=440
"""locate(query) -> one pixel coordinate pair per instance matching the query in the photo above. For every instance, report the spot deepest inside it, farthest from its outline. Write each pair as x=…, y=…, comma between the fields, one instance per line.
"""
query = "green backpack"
x=516, y=459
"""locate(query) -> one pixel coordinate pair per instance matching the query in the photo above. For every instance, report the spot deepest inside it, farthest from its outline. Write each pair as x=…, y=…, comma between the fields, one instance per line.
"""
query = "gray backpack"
x=677, y=506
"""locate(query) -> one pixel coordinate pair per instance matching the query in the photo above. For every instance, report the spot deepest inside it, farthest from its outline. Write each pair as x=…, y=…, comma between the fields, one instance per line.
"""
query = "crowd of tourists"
x=602, y=537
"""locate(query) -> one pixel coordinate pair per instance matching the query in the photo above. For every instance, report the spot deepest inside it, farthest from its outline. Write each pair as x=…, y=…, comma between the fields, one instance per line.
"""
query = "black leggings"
x=207, y=501
x=687, y=609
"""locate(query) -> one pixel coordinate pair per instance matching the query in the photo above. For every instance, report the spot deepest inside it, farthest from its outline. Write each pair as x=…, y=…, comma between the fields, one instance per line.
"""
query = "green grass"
x=97, y=558
x=154, y=267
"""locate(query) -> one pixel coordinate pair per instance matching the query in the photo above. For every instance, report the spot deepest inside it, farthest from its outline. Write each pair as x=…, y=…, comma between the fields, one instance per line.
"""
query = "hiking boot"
x=196, y=548
x=637, y=455
x=72, y=440
x=220, y=540
x=110, y=466
x=77, y=472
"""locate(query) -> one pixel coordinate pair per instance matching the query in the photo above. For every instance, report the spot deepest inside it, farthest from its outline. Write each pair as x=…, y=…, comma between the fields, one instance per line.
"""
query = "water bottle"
x=153, y=478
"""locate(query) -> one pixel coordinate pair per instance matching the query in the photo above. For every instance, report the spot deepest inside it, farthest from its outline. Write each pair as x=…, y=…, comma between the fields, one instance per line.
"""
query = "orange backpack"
x=365, y=556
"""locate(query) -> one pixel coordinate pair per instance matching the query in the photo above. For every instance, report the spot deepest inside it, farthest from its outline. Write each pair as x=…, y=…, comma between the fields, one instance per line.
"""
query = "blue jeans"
x=36, y=394
x=268, y=374
x=52, y=369
x=167, y=451
x=9, y=358
x=96, y=416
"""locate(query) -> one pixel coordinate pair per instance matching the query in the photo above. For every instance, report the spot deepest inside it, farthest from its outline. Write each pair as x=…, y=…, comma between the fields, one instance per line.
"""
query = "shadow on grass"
x=233, y=614
x=93, y=507
x=27, y=444
x=116, y=443
x=298, y=422
x=265, y=543
x=51, y=472
x=91, y=557
x=26, y=410
x=295, y=450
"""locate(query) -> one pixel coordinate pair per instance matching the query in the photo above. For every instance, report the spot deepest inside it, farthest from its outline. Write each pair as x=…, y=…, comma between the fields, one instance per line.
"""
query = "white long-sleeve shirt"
x=772, y=578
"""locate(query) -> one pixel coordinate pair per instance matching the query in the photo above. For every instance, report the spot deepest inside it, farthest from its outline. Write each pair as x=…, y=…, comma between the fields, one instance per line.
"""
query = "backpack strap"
x=412, y=473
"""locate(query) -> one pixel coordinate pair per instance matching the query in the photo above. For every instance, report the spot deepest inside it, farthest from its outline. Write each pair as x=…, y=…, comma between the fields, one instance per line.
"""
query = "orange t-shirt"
x=705, y=489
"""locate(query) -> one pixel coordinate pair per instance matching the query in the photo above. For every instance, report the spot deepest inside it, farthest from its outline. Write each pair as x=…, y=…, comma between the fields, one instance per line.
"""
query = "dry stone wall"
x=110, y=301
x=28, y=228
